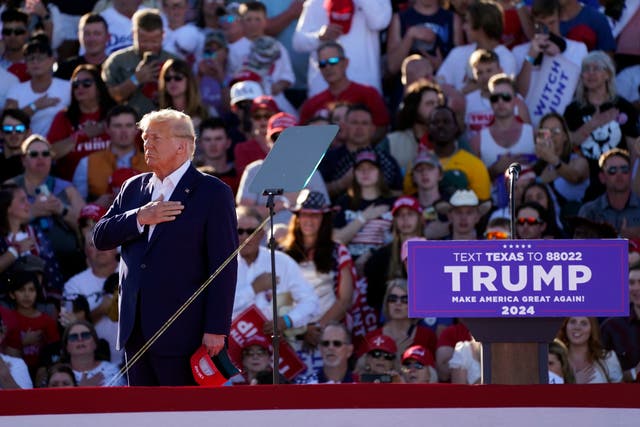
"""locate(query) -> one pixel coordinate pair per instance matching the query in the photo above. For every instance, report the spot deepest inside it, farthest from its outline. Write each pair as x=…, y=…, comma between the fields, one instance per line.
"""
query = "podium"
x=513, y=294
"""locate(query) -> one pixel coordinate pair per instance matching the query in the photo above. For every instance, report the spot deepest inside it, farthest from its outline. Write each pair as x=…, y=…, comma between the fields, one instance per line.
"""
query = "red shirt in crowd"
x=43, y=325
x=453, y=334
x=19, y=69
x=355, y=93
x=61, y=128
x=247, y=152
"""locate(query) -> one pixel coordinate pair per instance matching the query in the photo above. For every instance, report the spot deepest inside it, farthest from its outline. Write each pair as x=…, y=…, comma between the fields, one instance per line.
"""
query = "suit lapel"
x=181, y=193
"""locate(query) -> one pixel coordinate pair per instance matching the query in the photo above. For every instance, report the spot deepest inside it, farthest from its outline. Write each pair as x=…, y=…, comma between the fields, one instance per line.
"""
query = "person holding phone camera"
x=565, y=171
x=131, y=74
x=380, y=362
x=546, y=42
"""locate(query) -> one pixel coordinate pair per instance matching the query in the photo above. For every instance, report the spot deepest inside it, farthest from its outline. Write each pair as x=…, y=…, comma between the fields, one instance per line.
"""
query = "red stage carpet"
x=369, y=405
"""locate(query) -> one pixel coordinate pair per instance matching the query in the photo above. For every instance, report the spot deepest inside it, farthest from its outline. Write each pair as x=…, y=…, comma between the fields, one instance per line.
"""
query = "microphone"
x=514, y=170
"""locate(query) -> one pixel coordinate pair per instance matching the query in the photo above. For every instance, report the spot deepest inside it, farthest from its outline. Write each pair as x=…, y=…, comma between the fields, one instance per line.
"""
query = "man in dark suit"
x=176, y=226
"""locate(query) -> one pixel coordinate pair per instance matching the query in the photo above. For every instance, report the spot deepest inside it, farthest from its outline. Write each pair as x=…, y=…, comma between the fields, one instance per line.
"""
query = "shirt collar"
x=173, y=178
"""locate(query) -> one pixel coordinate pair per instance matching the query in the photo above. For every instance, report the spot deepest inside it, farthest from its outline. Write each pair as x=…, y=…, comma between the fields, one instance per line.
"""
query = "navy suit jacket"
x=160, y=274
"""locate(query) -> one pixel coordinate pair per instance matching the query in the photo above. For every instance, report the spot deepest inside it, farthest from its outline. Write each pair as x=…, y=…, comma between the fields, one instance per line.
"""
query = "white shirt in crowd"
x=290, y=281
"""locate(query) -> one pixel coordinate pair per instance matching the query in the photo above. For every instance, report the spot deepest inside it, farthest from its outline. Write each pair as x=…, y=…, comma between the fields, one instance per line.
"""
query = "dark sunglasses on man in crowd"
x=506, y=97
x=14, y=128
x=334, y=60
x=335, y=343
x=13, y=31
x=612, y=170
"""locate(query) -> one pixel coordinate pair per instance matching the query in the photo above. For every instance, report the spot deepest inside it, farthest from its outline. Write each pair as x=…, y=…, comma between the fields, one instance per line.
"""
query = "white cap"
x=245, y=90
x=186, y=40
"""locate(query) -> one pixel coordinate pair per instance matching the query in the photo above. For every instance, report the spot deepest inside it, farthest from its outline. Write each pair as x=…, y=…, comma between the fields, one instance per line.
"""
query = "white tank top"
x=490, y=151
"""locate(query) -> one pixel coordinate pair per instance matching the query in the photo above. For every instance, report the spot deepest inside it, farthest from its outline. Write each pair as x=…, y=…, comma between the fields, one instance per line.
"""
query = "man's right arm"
x=114, y=229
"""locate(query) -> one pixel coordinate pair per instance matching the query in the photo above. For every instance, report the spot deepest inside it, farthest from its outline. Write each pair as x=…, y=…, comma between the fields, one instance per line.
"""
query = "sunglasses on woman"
x=85, y=83
x=529, y=220
x=412, y=365
x=43, y=154
x=176, y=77
x=378, y=354
x=404, y=299
x=80, y=336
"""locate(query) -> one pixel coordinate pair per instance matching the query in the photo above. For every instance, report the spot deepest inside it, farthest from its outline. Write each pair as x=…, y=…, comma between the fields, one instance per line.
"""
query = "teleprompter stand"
x=288, y=168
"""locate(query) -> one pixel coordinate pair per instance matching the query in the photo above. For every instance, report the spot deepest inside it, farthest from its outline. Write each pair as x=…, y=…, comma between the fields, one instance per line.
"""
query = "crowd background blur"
x=433, y=99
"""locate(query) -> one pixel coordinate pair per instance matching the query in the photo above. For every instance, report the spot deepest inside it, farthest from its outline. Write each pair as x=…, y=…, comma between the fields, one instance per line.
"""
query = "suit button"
x=143, y=266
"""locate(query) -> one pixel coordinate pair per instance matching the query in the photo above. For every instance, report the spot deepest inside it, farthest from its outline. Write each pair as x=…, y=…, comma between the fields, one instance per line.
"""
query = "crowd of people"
x=433, y=99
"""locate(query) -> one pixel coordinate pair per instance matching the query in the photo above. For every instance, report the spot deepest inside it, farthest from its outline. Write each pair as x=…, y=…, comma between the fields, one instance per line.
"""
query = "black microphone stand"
x=514, y=172
x=271, y=193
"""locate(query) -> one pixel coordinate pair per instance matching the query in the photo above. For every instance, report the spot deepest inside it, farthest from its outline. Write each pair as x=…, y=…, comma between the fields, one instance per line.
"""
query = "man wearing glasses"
x=507, y=139
x=44, y=95
x=15, y=129
x=335, y=348
x=618, y=206
x=14, y=35
x=333, y=66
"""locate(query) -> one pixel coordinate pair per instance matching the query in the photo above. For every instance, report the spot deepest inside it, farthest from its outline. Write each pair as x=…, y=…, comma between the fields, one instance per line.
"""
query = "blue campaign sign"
x=518, y=278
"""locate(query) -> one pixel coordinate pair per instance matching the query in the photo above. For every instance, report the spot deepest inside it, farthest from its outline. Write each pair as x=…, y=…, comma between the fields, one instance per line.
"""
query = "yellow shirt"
x=470, y=165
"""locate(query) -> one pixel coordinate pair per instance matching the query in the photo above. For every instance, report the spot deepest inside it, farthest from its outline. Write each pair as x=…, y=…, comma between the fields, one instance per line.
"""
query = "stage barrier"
x=369, y=405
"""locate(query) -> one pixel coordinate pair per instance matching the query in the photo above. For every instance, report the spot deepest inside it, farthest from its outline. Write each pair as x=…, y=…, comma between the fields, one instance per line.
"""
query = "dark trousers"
x=152, y=369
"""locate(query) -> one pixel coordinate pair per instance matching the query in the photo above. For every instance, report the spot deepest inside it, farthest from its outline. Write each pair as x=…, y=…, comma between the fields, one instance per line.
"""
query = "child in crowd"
x=35, y=329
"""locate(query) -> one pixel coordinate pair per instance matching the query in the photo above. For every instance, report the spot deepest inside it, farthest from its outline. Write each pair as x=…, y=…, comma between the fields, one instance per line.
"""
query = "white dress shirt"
x=290, y=281
x=165, y=187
